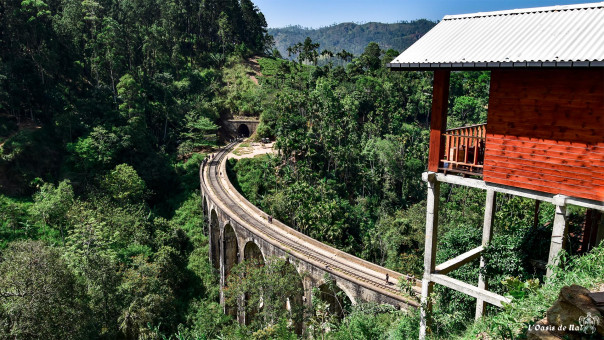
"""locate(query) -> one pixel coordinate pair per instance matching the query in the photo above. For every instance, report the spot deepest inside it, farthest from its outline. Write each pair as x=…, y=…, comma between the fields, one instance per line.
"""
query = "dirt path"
x=253, y=64
x=24, y=125
x=249, y=149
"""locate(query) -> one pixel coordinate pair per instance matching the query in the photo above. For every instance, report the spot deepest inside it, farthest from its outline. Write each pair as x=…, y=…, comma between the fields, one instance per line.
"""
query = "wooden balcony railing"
x=464, y=150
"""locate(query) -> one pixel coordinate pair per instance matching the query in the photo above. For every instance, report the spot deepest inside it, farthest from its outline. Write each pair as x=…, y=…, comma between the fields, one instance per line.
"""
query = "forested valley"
x=353, y=37
x=107, y=109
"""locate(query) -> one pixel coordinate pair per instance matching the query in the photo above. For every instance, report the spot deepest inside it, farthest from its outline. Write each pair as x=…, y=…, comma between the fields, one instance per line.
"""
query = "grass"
x=513, y=322
x=270, y=66
x=243, y=149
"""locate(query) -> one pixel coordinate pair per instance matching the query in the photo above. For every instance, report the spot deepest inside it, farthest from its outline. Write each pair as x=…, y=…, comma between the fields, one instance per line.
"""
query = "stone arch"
x=243, y=130
x=252, y=251
x=337, y=298
x=295, y=302
x=214, y=240
x=230, y=256
x=230, y=248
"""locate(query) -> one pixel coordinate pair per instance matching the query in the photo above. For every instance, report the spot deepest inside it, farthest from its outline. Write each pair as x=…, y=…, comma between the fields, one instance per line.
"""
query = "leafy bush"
x=39, y=293
x=7, y=127
x=124, y=185
x=586, y=270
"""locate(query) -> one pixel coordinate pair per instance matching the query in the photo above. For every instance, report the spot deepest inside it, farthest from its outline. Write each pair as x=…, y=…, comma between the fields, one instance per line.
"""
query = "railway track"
x=297, y=245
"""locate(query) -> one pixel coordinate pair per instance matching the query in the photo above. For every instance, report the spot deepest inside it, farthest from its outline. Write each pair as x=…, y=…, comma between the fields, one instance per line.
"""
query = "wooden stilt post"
x=558, y=232
x=430, y=249
x=600, y=232
x=438, y=125
x=536, y=214
x=487, y=234
x=590, y=230
x=438, y=120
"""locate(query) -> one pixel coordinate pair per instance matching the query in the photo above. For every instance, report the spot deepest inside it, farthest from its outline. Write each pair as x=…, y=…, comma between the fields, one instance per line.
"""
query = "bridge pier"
x=237, y=244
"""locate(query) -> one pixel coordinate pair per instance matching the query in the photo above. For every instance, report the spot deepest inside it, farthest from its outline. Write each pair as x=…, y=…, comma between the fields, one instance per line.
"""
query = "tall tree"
x=41, y=298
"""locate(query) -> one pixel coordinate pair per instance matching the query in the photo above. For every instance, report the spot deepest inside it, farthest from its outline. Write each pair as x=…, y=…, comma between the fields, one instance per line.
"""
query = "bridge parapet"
x=360, y=280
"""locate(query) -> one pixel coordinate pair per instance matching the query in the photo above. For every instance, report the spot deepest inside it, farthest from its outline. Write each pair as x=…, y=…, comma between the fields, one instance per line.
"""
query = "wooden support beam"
x=487, y=234
x=458, y=261
x=504, y=189
x=468, y=289
x=438, y=121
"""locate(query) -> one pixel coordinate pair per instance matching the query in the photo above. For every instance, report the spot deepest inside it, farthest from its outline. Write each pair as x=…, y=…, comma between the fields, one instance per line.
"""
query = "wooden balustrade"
x=464, y=150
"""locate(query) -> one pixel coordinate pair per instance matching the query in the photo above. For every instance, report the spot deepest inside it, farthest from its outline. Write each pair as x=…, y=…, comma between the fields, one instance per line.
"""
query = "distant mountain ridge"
x=354, y=37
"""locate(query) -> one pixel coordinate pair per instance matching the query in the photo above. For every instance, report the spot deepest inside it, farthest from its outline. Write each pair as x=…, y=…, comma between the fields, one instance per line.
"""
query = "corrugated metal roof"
x=557, y=36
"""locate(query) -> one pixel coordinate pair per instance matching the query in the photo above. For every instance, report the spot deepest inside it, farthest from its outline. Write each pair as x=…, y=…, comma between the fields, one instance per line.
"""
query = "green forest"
x=353, y=37
x=107, y=110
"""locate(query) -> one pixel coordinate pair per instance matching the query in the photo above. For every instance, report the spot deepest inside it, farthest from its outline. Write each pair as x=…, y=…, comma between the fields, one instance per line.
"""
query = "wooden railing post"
x=464, y=149
x=438, y=122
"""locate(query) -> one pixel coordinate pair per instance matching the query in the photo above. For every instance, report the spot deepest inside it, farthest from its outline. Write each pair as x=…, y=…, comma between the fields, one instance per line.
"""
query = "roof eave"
x=490, y=65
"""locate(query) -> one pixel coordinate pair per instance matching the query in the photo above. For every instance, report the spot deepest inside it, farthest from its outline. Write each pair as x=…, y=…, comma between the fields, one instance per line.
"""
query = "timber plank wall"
x=545, y=131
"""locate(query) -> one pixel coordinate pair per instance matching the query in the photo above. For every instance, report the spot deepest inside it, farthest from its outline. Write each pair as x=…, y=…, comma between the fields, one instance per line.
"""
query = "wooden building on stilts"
x=544, y=135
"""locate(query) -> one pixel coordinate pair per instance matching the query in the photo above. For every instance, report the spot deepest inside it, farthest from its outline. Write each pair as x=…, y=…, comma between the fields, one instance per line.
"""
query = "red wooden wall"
x=545, y=131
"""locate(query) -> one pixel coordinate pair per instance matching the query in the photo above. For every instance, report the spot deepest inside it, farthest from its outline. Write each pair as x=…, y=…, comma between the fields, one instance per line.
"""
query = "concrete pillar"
x=430, y=249
x=487, y=234
x=558, y=233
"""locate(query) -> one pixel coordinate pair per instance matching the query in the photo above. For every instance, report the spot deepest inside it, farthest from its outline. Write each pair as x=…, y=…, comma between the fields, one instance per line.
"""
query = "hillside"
x=353, y=37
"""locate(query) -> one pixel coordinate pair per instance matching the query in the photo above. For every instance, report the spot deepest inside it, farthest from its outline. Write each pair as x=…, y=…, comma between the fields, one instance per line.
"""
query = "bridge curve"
x=234, y=222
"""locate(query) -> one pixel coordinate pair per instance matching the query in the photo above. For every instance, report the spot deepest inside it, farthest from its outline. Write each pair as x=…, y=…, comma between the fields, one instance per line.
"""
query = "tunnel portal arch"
x=243, y=130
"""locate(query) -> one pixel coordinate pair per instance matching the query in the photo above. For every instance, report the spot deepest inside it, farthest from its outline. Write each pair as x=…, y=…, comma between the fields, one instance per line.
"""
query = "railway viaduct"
x=240, y=231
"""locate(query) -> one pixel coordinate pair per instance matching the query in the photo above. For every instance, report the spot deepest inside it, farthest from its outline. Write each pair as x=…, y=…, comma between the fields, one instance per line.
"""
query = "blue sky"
x=319, y=13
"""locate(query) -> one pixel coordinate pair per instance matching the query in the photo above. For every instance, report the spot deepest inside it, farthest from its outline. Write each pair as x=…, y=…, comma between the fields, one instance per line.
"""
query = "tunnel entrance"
x=243, y=131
